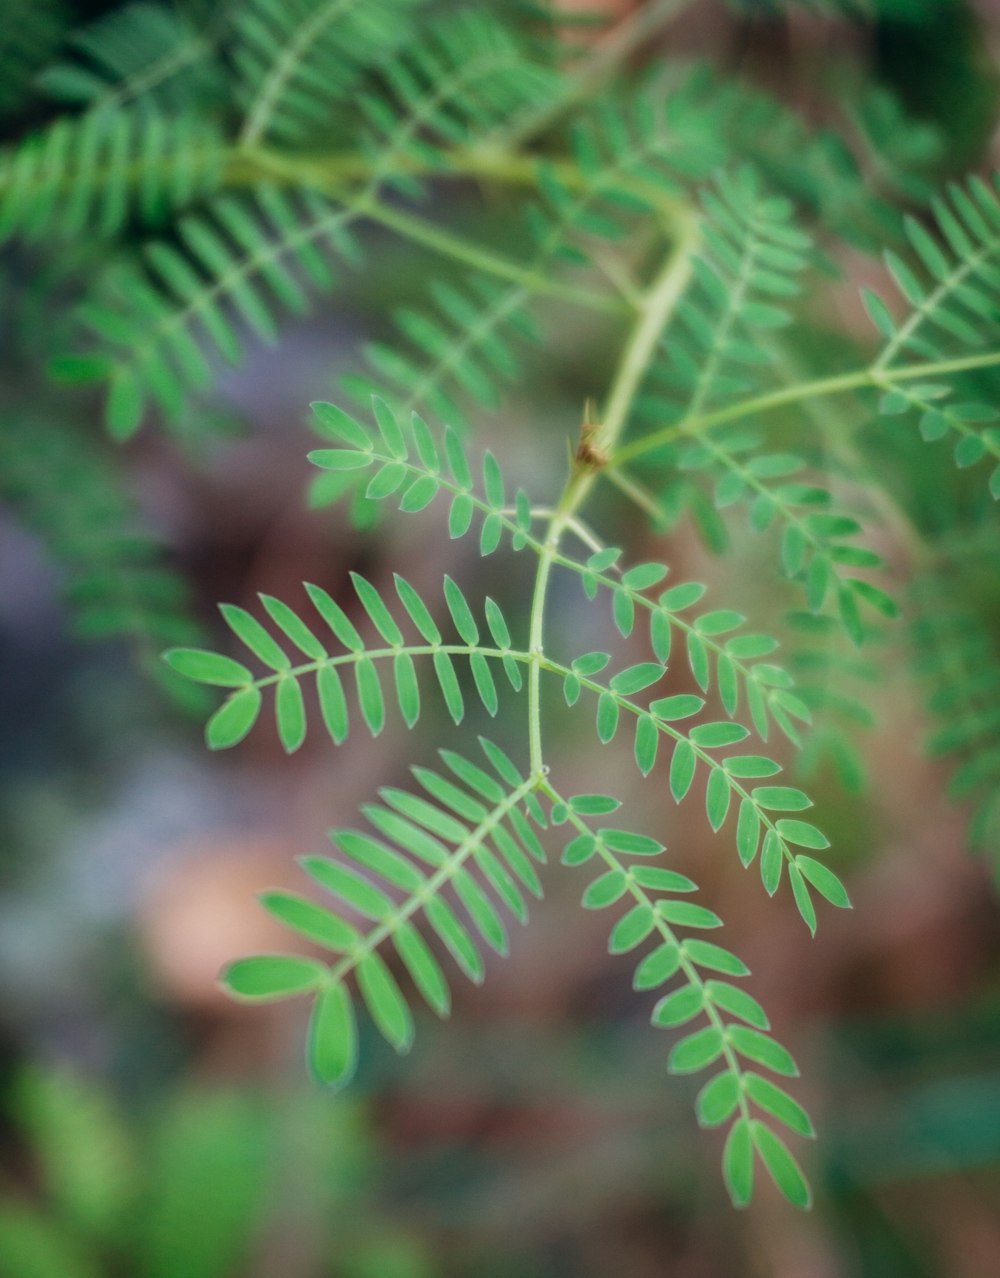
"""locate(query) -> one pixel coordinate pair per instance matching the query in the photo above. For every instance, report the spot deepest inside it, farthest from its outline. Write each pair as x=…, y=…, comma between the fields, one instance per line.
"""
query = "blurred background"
x=153, y=1128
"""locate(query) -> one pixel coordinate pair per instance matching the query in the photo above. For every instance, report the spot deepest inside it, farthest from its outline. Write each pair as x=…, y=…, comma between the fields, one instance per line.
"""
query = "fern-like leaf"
x=693, y=755
x=951, y=286
x=296, y=61
x=287, y=672
x=164, y=318
x=89, y=174
x=476, y=819
x=734, y=1034
x=117, y=582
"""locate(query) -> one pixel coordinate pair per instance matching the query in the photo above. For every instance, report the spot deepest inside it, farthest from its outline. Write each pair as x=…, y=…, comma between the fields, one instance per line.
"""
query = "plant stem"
x=638, y=352
x=861, y=379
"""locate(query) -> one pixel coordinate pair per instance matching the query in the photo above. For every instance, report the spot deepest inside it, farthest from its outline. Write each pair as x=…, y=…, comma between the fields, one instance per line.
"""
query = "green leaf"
x=750, y=765
x=387, y=424
x=661, y=880
x=717, y=796
x=737, y=1002
x=628, y=842
x=714, y=957
x=442, y=918
x=696, y=1051
x=772, y=861
x=717, y=1100
x=407, y=688
x=642, y=576
x=460, y=516
x=381, y=617
x=339, y=459
x=314, y=922
x=370, y=697
x=593, y=804
x=679, y=1007
x=385, y=1002
x=332, y=1048
x=290, y=713
x=482, y=677
x=497, y=624
x=784, y=1170
x=687, y=914
x=765, y=1051
x=332, y=420
x=461, y=613
x=710, y=736
x=452, y=693
x=233, y=719
x=803, y=900
x=824, y=881
x=579, y=850
x=272, y=976
x=207, y=667
x=647, y=740
x=610, y=887
x=635, y=678
x=776, y=1102
x=747, y=832
x=335, y=618
x=632, y=929
x=681, y=706
x=332, y=703
x=682, y=766
x=781, y=798
x=657, y=967
x=417, y=609
x=350, y=887
x=607, y=717
x=256, y=638
x=737, y=1163
x=623, y=609
x=419, y=494
x=801, y=833
x=423, y=967
x=493, y=482
x=295, y=629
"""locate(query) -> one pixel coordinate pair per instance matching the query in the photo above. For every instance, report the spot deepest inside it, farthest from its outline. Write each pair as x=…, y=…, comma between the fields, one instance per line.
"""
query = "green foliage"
x=473, y=820
x=31, y=32
x=116, y=577
x=674, y=232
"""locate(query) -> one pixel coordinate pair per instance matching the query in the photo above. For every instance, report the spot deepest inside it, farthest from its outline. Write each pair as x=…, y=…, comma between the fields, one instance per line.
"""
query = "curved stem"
x=637, y=354
x=870, y=377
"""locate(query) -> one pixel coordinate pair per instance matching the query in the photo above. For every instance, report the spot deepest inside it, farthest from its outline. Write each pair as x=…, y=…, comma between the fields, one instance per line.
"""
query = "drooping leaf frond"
x=466, y=74
x=951, y=286
x=117, y=583
x=745, y=274
x=735, y=1032
x=144, y=53
x=474, y=824
x=692, y=756
x=356, y=659
x=164, y=319
x=87, y=175
x=296, y=60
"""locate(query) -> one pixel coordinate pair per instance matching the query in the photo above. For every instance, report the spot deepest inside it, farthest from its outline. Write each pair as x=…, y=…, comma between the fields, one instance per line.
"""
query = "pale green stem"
x=871, y=377
x=636, y=357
